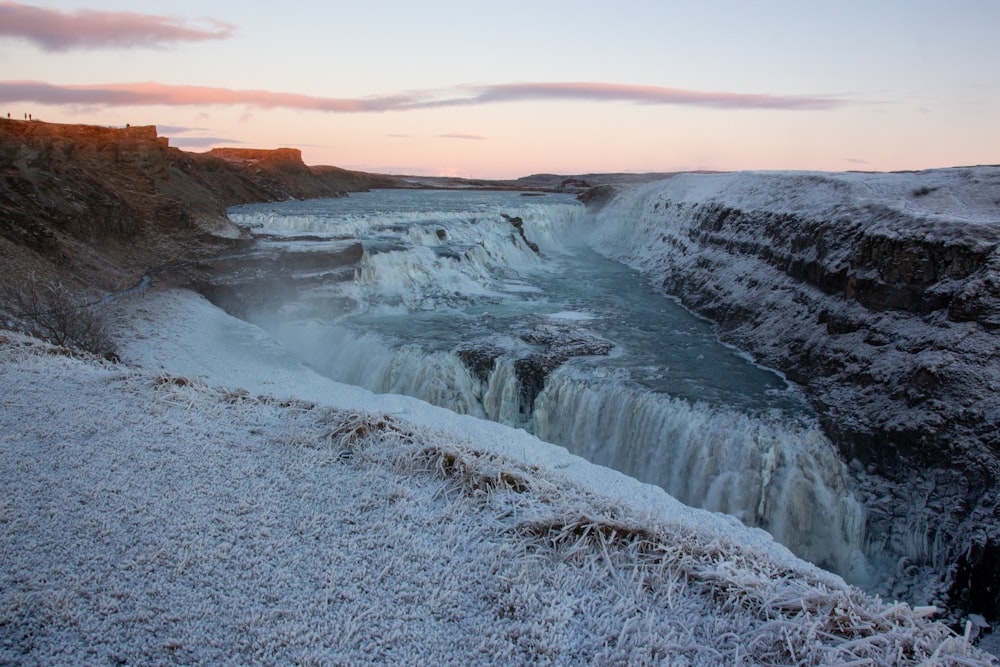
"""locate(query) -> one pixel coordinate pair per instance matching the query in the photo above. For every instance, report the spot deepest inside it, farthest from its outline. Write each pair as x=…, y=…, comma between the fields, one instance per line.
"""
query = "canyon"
x=878, y=294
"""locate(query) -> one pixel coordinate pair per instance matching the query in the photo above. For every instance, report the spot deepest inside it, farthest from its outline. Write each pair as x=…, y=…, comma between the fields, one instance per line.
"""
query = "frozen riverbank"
x=880, y=295
x=213, y=501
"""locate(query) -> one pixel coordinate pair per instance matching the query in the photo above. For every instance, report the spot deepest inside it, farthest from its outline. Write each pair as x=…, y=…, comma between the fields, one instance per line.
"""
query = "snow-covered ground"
x=212, y=501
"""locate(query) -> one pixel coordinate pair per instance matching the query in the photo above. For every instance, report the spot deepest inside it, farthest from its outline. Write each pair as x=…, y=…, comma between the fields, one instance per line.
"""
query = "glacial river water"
x=452, y=303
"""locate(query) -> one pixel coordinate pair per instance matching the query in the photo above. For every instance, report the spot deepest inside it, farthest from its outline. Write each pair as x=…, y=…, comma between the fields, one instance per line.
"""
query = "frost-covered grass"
x=150, y=516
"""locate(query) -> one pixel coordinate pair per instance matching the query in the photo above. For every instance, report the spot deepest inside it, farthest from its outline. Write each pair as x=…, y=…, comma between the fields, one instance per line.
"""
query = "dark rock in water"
x=480, y=360
x=519, y=225
x=552, y=346
x=532, y=372
x=556, y=345
x=565, y=342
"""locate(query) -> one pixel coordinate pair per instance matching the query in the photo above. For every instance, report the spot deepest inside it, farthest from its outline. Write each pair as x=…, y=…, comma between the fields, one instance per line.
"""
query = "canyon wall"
x=879, y=294
x=97, y=207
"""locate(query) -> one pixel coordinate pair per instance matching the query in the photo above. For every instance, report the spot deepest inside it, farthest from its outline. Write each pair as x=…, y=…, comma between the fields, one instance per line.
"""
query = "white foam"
x=573, y=315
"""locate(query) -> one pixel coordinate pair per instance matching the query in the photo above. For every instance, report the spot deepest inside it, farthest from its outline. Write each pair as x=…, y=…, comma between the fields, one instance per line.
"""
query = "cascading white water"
x=366, y=360
x=501, y=399
x=781, y=476
x=443, y=272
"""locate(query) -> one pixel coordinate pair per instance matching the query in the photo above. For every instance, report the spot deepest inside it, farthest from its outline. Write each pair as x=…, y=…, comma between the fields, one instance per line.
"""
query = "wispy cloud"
x=612, y=92
x=55, y=30
x=179, y=129
x=201, y=142
x=152, y=93
x=461, y=135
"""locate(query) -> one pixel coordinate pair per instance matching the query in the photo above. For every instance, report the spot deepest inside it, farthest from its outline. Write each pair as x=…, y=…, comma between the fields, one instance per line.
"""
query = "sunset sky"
x=506, y=89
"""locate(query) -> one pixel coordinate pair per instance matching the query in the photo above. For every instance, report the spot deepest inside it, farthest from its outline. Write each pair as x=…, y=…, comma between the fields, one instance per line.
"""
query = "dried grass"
x=799, y=618
x=52, y=312
x=812, y=622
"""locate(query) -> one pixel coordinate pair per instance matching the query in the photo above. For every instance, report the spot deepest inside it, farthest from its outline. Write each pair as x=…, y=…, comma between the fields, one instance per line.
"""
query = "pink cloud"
x=462, y=135
x=151, y=93
x=513, y=92
x=202, y=142
x=55, y=30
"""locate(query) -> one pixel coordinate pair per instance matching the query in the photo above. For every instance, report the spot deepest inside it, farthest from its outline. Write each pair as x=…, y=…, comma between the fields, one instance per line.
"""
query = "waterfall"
x=783, y=477
x=367, y=360
x=448, y=302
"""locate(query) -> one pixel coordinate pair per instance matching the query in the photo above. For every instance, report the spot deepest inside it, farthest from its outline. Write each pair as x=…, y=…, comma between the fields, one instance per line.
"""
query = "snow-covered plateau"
x=209, y=500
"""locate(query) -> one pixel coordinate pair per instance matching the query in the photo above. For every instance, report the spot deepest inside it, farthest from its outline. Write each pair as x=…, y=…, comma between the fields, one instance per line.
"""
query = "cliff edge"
x=879, y=294
x=98, y=207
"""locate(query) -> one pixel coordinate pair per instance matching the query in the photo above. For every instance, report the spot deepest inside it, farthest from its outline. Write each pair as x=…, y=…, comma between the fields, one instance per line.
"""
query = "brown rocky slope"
x=95, y=207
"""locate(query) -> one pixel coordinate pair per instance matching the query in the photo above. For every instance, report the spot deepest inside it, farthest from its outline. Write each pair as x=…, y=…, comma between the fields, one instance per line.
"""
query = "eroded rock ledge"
x=97, y=207
x=548, y=346
x=880, y=294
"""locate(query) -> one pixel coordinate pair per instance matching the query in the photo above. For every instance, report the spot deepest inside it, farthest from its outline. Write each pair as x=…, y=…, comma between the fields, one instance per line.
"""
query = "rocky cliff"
x=880, y=295
x=97, y=207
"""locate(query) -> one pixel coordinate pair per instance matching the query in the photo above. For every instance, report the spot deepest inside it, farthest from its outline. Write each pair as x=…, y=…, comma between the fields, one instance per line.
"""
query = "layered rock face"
x=98, y=207
x=880, y=295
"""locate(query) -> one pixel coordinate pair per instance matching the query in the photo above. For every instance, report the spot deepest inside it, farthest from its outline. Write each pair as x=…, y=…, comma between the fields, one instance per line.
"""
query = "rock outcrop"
x=553, y=346
x=98, y=207
x=880, y=295
x=539, y=351
x=518, y=224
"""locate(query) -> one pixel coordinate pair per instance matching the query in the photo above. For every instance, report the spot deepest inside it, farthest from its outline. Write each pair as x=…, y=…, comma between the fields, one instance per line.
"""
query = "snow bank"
x=210, y=501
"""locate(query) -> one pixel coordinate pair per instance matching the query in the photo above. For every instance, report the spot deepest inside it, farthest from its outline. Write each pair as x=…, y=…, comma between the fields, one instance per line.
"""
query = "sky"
x=501, y=90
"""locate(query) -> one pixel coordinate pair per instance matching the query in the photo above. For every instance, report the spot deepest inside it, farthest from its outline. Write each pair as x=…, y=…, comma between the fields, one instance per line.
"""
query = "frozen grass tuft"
x=351, y=430
x=799, y=619
x=792, y=619
x=474, y=472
